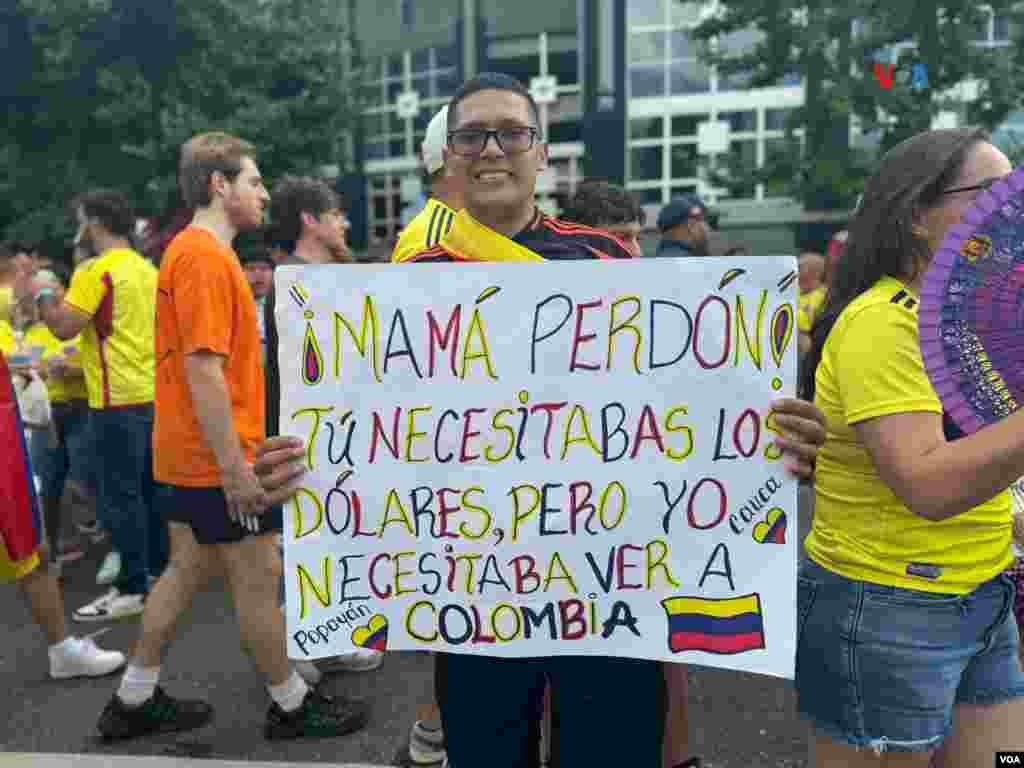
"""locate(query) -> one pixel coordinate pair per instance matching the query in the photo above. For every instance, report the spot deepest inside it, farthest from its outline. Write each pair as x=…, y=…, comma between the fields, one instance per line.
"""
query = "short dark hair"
x=491, y=81
x=599, y=203
x=111, y=208
x=293, y=196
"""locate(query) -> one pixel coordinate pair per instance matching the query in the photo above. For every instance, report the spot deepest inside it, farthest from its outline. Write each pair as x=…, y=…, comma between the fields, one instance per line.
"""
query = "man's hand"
x=244, y=495
x=803, y=432
x=280, y=467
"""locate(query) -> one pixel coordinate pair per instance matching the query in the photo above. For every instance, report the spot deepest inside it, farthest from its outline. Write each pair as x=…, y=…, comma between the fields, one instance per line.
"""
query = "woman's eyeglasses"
x=985, y=185
x=470, y=142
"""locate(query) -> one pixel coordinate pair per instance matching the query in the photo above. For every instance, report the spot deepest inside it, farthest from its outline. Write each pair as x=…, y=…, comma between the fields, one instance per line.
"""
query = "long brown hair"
x=882, y=239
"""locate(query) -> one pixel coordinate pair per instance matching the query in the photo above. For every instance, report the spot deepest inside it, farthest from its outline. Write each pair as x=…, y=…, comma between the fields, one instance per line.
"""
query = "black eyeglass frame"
x=490, y=133
x=986, y=185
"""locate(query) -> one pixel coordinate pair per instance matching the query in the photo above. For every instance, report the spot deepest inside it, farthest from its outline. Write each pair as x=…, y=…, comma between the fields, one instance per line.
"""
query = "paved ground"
x=737, y=721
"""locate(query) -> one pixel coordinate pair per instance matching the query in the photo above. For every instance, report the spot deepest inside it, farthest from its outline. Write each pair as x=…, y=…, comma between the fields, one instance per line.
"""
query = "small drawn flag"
x=732, y=625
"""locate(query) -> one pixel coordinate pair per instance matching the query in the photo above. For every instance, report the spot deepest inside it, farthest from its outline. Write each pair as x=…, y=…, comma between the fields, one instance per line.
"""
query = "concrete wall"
x=379, y=28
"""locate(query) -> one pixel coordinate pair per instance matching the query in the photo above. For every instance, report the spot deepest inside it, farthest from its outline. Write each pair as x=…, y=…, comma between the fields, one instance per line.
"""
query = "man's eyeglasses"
x=985, y=185
x=470, y=142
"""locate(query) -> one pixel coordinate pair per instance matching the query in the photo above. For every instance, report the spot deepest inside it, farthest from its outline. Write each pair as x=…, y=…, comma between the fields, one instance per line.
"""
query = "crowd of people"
x=155, y=359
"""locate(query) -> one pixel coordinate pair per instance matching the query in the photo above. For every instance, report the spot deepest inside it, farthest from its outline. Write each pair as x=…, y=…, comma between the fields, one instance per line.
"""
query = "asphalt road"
x=736, y=720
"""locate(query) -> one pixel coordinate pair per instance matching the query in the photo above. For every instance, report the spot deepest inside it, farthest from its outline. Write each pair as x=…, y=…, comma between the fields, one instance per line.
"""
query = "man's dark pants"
x=123, y=441
x=605, y=711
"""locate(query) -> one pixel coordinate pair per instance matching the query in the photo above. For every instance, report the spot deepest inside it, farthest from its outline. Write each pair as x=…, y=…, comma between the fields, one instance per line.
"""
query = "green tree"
x=833, y=46
x=115, y=86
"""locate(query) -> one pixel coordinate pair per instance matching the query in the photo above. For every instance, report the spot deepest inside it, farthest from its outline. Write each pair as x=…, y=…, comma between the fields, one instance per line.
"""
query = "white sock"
x=138, y=685
x=290, y=694
x=64, y=645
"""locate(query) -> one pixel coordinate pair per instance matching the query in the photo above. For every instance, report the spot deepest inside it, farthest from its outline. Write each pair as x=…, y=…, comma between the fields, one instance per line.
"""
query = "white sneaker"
x=110, y=569
x=357, y=660
x=77, y=657
x=308, y=671
x=112, y=605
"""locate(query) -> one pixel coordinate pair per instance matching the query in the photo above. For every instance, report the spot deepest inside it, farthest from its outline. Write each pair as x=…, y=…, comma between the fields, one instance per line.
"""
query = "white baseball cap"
x=435, y=141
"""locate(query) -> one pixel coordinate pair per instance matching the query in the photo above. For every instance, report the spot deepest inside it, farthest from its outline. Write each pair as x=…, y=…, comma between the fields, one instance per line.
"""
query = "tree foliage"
x=104, y=92
x=834, y=47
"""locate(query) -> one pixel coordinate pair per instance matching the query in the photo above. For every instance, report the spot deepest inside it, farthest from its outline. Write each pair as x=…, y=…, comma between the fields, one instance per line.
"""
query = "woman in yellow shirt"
x=907, y=647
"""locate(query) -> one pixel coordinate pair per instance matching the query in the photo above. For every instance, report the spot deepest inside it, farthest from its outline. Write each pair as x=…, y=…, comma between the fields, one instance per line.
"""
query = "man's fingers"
x=801, y=429
x=292, y=445
x=284, y=493
x=794, y=406
x=797, y=449
x=271, y=461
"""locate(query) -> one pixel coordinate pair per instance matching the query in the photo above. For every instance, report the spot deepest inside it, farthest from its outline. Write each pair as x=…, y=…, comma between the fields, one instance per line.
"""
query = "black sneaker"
x=319, y=717
x=159, y=714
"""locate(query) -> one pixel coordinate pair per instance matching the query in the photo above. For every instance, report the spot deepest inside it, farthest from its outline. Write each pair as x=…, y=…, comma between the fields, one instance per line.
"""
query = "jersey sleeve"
x=879, y=368
x=204, y=303
x=87, y=290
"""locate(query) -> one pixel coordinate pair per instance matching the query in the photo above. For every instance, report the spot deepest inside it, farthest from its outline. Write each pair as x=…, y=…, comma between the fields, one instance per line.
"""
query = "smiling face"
x=497, y=185
x=245, y=198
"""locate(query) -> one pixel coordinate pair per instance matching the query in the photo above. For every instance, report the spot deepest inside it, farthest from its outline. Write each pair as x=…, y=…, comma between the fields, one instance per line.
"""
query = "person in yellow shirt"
x=60, y=452
x=906, y=638
x=112, y=304
x=446, y=197
x=813, y=283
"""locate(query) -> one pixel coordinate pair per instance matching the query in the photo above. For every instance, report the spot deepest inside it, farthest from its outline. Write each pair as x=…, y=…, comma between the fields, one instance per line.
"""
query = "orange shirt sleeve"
x=204, y=302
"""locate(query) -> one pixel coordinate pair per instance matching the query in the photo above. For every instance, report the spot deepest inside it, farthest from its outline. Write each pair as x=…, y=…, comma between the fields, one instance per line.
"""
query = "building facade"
x=624, y=92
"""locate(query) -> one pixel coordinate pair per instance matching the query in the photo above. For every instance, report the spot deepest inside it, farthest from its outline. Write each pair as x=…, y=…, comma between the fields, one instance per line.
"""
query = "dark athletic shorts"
x=205, y=511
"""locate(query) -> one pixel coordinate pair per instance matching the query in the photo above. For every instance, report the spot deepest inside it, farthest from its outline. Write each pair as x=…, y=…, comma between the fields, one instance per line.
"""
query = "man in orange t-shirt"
x=209, y=422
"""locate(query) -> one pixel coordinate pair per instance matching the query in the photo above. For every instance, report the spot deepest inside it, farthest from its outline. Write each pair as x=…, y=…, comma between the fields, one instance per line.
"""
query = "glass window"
x=394, y=87
x=565, y=66
x=646, y=128
x=686, y=125
x=642, y=13
x=1001, y=28
x=448, y=56
x=407, y=13
x=421, y=60
x=687, y=189
x=421, y=85
x=397, y=148
x=683, y=46
x=685, y=13
x=645, y=163
x=647, y=80
x=395, y=67
x=688, y=76
x=426, y=114
x=568, y=131
x=446, y=84
x=980, y=29
x=746, y=153
x=377, y=150
x=775, y=148
x=684, y=161
x=651, y=196
x=648, y=46
x=775, y=119
x=740, y=42
x=740, y=121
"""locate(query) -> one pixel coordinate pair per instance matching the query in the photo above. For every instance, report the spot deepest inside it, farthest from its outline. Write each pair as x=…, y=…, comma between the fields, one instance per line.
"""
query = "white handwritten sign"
x=544, y=459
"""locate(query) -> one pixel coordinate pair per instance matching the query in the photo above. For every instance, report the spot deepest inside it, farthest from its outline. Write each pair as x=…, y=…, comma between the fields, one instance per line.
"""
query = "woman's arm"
x=937, y=479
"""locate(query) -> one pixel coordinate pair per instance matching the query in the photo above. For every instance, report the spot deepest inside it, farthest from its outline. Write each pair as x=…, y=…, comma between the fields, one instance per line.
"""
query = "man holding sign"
x=490, y=706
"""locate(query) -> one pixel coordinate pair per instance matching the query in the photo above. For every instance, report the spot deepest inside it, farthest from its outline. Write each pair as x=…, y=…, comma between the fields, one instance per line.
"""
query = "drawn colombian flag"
x=733, y=625
x=19, y=509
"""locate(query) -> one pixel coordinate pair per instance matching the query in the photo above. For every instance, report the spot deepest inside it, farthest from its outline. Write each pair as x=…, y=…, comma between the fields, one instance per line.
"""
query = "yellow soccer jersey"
x=118, y=291
x=425, y=231
x=871, y=366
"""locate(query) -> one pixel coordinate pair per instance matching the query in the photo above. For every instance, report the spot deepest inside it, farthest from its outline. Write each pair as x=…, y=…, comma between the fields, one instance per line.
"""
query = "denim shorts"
x=882, y=667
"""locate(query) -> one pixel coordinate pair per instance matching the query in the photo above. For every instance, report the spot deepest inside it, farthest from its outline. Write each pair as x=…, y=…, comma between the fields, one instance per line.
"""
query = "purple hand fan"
x=971, y=319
